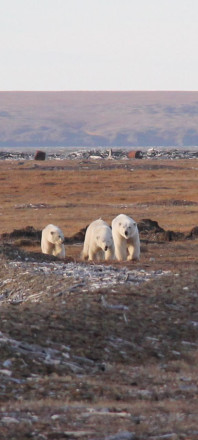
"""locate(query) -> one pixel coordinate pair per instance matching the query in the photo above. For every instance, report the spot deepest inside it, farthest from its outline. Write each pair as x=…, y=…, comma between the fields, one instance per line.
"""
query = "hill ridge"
x=98, y=118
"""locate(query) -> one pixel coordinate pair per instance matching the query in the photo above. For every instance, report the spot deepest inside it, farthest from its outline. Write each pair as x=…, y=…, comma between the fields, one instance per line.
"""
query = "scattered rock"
x=89, y=277
x=182, y=203
x=6, y=372
x=74, y=434
x=9, y=420
x=173, y=236
x=103, y=153
x=122, y=435
x=169, y=436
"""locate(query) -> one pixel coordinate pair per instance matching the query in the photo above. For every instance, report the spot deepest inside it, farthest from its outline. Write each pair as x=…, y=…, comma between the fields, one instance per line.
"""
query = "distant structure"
x=135, y=154
x=110, y=153
x=40, y=155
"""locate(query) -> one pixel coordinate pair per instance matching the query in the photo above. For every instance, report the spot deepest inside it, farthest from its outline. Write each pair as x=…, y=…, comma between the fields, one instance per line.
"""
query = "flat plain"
x=109, y=362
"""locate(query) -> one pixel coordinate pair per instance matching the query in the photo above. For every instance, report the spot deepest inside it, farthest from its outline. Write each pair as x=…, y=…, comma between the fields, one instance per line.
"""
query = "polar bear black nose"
x=106, y=247
x=126, y=233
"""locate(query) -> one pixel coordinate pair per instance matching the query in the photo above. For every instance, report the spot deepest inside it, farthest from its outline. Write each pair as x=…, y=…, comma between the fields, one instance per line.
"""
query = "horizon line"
x=98, y=91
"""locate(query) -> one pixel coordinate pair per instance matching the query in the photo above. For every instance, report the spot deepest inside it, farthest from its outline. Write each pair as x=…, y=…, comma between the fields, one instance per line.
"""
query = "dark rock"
x=193, y=233
x=150, y=229
x=173, y=236
x=28, y=232
x=11, y=252
x=146, y=225
x=76, y=238
x=26, y=242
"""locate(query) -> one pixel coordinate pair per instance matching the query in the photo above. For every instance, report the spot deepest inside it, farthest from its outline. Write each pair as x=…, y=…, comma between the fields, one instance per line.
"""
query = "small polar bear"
x=98, y=243
x=126, y=238
x=52, y=239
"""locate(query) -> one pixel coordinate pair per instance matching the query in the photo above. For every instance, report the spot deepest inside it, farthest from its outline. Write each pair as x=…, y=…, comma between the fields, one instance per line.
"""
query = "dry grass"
x=71, y=195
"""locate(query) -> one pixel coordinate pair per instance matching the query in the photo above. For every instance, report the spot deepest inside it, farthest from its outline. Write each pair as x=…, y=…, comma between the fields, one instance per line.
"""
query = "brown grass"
x=72, y=195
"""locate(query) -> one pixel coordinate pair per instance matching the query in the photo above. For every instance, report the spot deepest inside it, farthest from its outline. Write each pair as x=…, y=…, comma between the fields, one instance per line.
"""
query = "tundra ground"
x=95, y=351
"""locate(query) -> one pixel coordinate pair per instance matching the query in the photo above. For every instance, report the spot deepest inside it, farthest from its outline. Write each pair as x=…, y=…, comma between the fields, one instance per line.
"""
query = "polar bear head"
x=55, y=235
x=104, y=239
x=127, y=227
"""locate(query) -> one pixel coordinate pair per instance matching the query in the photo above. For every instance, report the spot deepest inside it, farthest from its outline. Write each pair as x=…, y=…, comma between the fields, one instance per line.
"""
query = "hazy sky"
x=98, y=44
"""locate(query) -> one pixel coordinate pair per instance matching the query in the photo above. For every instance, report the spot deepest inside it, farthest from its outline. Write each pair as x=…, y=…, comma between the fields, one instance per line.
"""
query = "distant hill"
x=38, y=119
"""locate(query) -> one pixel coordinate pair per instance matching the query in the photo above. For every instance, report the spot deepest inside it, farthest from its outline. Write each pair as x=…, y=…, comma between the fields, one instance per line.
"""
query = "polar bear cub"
x=126, y=238
x=52, y=239
x=98, y=243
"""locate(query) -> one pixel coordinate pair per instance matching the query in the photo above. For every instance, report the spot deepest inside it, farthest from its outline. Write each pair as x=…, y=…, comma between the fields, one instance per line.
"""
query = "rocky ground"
x=101, y=153
x=99, y=351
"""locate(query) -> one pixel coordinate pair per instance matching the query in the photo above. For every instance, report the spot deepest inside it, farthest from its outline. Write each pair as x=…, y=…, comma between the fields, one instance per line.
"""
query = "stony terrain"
x=100, y=153
x=99, y=351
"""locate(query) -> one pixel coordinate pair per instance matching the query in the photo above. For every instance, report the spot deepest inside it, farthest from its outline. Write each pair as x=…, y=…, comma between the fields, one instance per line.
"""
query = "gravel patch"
x=71, y=277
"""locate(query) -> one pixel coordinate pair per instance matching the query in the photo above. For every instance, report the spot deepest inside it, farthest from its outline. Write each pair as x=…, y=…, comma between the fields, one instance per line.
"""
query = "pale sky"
x=98, y=45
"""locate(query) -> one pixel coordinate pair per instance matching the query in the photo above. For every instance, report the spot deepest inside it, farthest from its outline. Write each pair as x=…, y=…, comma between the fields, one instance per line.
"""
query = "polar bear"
x=52, y=239
x=98, y=243
x=126, y=238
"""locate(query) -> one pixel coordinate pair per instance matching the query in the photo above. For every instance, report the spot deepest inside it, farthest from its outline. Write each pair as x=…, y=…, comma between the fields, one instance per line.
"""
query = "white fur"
x=52, y=241
x=126, y=238
x=98, y=243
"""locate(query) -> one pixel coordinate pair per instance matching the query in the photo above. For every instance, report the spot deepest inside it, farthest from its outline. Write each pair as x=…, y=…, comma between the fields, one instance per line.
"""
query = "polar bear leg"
x=95, y=252
x=134, y=251
x=85, y=251
x=46, y=247
x=92, y=254
x=59, y=251
x=62, y=253
x=109, y=254
x=99, y=255
x=121, y=253
x=130, y=252
x=120, y=248
x=136, y=254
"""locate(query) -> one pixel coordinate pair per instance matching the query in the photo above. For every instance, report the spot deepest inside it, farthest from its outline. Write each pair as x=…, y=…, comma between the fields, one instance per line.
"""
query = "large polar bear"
x=52, y=240
x=98, y=243
x=126, y=238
